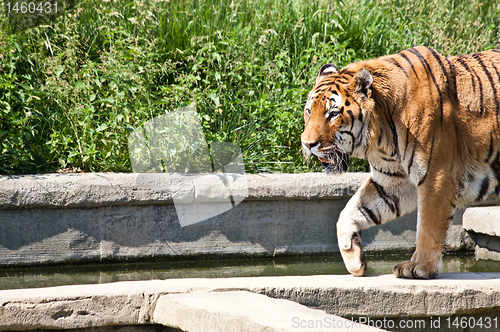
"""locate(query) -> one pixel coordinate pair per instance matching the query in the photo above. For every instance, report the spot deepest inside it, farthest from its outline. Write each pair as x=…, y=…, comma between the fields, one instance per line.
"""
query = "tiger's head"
x=334, y=116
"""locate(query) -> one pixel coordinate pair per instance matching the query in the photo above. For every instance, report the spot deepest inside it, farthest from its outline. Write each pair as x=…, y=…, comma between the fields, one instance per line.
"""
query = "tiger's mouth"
x=337, y=162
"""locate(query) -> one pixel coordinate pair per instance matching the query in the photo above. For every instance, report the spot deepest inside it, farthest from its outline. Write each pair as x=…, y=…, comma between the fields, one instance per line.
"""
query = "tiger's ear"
x=325, y=70
x=362, y=83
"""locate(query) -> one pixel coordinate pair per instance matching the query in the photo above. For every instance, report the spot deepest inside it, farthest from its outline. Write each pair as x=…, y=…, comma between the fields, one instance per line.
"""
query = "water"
x=35, y=277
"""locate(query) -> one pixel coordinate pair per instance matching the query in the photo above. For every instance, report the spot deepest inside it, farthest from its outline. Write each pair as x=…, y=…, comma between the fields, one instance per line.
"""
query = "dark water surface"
x=35, y=277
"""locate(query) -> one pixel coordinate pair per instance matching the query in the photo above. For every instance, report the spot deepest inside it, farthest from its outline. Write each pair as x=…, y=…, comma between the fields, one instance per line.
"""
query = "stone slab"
x=341, y=295
x=484, y=220
x=244, y=311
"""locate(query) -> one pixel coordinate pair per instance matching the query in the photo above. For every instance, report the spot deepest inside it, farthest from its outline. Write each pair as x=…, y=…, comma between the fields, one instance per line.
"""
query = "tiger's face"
x=333, y=117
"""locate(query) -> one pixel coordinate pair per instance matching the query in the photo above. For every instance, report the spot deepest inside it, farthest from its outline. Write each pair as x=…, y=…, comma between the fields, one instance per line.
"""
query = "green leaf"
x=129, y=127
x=58, y=70
x=4, y=107
x=23, y=54
x=81, y=85
x=215, y=99
x=108, y=100
x=217, y=56
x=102, y=127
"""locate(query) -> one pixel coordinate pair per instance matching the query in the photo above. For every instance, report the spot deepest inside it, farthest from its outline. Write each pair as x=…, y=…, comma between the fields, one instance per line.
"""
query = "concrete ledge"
x=111, y=189
x=484, y=220
x=59, y=218
x=143, y=303
x=483, y=224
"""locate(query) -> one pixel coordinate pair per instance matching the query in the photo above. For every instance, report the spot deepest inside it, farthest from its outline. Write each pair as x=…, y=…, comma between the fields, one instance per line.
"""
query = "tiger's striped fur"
x=430, y=128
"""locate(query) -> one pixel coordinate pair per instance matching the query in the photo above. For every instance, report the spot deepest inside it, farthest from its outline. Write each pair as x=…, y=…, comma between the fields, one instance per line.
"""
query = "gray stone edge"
x=484, y=220
x=105, y=189
x=135, y=302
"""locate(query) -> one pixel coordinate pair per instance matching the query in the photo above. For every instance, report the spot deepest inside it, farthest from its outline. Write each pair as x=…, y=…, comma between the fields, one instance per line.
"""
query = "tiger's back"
x=457, y=100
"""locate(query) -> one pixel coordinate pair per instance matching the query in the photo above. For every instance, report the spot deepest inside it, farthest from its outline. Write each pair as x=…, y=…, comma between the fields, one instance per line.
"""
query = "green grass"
x=71, y=91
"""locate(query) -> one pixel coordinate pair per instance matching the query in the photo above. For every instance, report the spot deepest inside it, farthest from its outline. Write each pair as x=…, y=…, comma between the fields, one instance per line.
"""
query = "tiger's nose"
x=310, y=145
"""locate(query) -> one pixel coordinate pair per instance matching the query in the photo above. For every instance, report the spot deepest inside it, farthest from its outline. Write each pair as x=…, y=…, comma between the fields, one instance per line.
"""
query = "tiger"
x=429, y=127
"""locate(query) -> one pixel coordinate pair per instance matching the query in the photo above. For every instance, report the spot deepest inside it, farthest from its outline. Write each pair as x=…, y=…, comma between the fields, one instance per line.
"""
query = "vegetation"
x=73, y=89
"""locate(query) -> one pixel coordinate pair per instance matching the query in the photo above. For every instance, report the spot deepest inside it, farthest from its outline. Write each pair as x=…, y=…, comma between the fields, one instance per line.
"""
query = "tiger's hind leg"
x=380, y=199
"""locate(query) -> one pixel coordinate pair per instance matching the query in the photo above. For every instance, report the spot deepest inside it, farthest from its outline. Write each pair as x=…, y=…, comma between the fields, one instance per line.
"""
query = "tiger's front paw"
x=352, y=253
x=417, y=270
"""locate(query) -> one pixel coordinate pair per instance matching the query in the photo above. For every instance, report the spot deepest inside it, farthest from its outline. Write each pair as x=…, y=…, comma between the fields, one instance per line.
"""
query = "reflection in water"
x=11, y=278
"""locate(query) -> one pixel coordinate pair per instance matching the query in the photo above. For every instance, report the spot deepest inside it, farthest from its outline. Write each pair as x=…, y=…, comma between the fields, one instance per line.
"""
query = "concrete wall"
x=72, y=217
